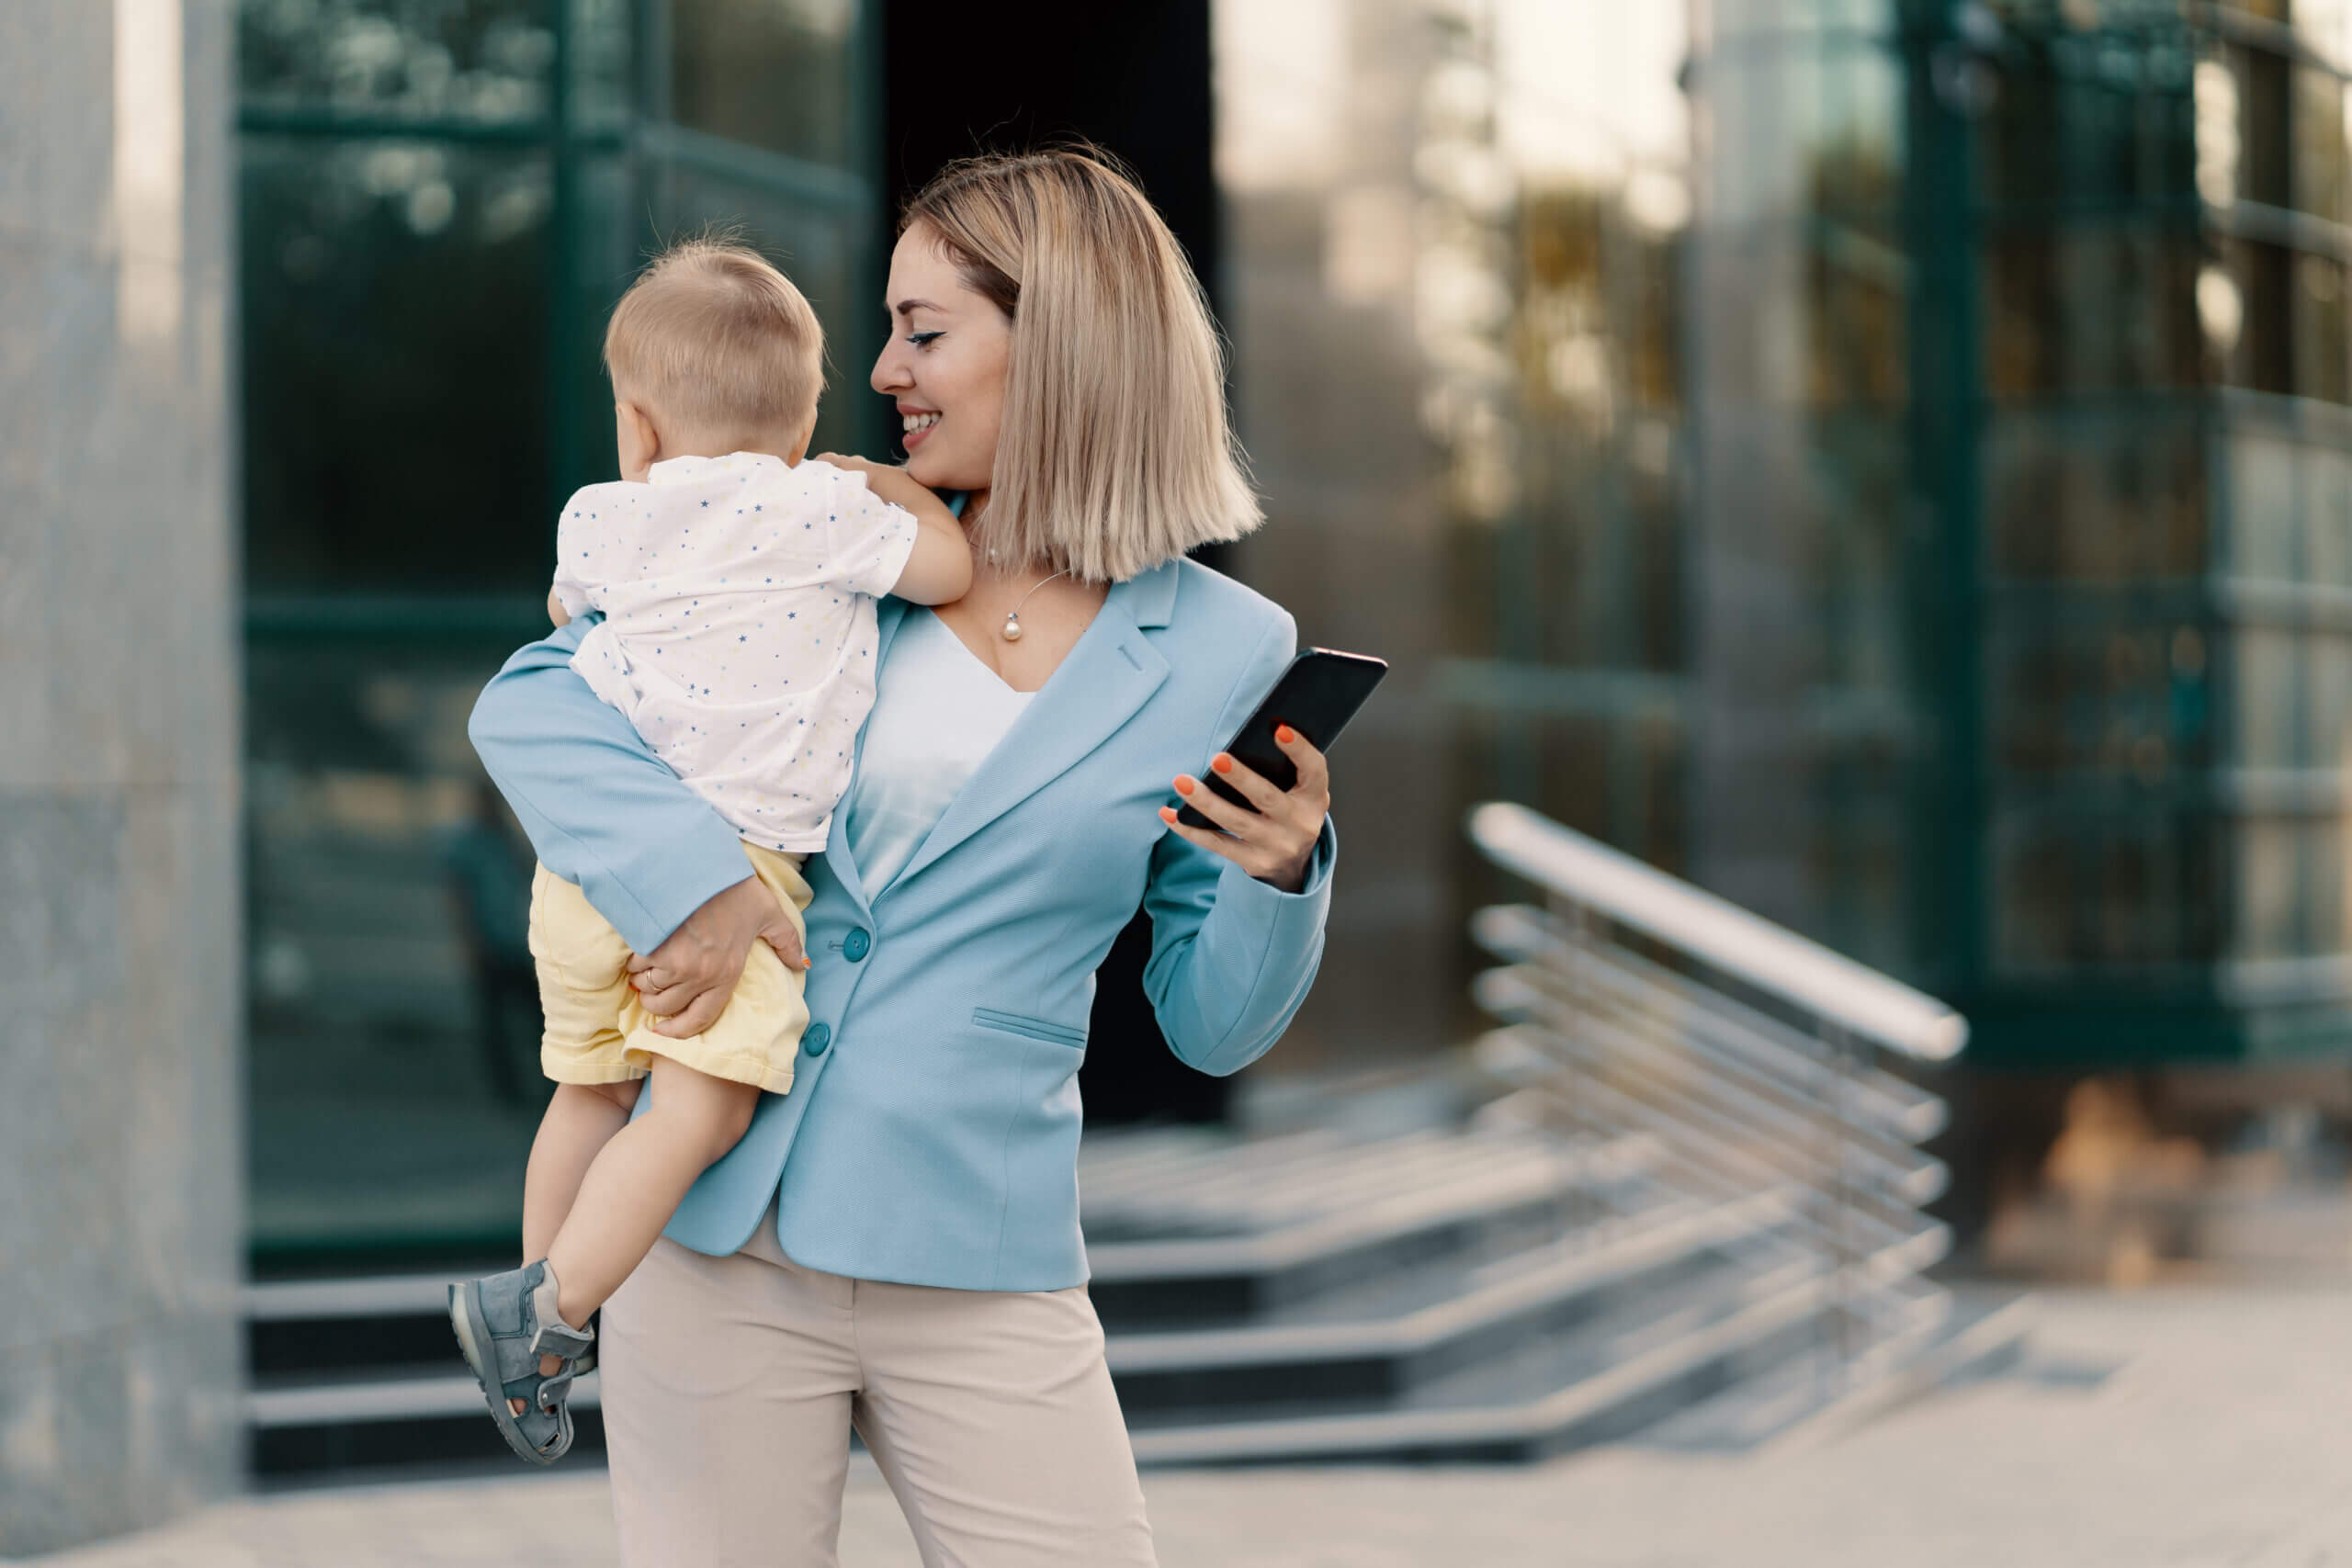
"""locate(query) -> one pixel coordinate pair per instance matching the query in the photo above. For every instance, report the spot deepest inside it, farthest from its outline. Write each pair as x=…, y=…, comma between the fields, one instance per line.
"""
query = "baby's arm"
x=556, y=612
x=939, y=570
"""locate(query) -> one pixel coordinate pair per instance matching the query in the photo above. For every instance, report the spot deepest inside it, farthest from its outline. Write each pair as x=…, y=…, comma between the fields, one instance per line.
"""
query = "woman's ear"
x=640, y=442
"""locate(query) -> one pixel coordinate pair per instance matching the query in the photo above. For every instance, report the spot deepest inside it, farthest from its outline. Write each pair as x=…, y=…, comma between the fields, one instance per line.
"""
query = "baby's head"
x=712, y=351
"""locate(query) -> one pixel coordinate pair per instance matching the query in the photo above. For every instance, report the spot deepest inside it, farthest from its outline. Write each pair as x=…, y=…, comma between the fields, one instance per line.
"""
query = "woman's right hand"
x=685, y=982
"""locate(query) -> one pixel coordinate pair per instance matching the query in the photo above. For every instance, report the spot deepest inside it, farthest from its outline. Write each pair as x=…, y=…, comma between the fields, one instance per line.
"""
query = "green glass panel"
x=487, y=62
x=2118, y=886
x=775, y=75
x=394, y=313
x=393, y=1020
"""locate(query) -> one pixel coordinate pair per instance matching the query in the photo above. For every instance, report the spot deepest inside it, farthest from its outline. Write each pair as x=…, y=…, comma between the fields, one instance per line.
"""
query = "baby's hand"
x=860, y=464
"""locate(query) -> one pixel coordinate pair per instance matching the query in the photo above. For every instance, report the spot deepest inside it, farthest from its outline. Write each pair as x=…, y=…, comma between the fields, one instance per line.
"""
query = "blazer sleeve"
x=1232, y=957
x=602, y=810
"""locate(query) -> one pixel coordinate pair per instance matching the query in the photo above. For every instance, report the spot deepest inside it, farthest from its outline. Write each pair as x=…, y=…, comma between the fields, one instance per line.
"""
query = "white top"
x=739, y=632
x=941, y=713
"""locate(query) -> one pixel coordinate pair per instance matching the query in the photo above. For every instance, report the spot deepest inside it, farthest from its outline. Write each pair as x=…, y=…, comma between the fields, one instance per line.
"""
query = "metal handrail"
x=1721, y=934
x=1611, y=1041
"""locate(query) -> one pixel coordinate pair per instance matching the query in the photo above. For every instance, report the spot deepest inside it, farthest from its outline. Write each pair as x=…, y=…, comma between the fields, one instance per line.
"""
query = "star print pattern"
x=788, y=563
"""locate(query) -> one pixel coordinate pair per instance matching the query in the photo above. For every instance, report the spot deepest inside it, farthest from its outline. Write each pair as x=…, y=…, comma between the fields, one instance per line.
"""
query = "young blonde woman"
x=894, y=1244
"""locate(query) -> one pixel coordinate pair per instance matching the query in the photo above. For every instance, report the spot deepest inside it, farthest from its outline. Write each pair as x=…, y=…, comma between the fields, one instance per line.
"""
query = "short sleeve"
x=871, y=539
x=577, y=571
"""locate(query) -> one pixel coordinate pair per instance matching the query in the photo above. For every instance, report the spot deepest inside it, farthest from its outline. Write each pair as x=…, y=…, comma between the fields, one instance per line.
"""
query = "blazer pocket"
x=1034, y=1028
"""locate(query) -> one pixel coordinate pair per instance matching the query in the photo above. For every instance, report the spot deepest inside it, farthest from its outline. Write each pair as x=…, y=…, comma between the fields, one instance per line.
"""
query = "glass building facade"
x=1885, y=459
x=2032, y=318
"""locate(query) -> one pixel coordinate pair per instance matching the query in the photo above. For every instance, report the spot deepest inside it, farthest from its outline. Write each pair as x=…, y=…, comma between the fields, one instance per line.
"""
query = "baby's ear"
x=634, y=433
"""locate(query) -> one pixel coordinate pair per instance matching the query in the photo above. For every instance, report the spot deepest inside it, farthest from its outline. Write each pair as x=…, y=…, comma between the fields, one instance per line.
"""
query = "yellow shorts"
x=596, y=1032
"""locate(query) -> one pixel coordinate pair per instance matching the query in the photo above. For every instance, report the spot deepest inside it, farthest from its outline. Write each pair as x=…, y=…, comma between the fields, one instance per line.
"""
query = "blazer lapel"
x=1112, y=672
x=887, y=617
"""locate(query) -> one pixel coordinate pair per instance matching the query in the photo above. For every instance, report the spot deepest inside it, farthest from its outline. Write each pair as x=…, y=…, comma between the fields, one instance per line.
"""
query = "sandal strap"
x=560, y=1339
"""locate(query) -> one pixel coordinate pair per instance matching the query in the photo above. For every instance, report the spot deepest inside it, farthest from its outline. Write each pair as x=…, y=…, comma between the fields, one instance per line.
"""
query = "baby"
x=736, y=580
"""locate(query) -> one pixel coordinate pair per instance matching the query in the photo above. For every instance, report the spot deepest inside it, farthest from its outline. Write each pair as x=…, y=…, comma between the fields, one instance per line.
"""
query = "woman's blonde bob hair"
x=1114, y=454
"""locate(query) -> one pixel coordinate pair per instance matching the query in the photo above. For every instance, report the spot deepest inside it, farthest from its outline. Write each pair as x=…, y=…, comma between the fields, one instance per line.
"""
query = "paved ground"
x=2185, y=1425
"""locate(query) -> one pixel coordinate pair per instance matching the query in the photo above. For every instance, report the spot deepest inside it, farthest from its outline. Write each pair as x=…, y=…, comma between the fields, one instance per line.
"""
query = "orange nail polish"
x=1286, y=734
x=1184, y=786
x=1221, y=762
x=1168, y=814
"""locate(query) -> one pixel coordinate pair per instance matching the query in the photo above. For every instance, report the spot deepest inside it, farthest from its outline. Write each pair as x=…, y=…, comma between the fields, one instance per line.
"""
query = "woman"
x=894, y=1244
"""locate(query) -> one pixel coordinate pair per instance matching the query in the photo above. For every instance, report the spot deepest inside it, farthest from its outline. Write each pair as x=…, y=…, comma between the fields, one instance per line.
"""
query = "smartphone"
x=1316, y=696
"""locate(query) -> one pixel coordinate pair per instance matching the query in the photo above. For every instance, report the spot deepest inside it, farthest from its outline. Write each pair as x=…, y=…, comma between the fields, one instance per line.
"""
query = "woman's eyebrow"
x=909, y=307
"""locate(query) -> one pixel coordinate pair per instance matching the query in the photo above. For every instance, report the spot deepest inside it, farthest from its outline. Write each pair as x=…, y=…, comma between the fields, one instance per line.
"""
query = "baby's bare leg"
x=636, y=1183
x=581, y=1120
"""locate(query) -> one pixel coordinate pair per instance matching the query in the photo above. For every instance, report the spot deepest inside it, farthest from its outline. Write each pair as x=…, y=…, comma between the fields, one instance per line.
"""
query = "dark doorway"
x=1133, y=79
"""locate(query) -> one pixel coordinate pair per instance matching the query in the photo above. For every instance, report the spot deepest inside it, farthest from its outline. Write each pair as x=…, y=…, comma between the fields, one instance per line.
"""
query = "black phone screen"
x=1316, y=696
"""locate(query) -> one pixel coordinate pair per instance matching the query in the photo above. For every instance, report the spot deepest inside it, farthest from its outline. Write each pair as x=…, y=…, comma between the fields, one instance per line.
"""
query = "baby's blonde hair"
x=712, y=336
x=1114, y=454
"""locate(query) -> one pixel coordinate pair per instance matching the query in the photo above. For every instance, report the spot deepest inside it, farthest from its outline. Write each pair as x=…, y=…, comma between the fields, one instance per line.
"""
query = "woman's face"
x=945, y=365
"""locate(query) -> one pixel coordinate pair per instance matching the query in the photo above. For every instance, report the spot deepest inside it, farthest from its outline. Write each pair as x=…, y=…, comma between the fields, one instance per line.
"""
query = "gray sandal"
x=505, y=1324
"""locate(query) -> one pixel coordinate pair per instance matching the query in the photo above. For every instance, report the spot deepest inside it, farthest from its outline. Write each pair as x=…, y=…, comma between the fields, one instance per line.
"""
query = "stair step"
x=1605, y=1380
x=1381, y=1340
x=1463, y=1213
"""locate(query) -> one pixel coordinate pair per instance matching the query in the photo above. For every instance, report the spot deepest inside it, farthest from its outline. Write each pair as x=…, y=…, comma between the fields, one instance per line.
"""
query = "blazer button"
x=815, y=1038
x=856, y=945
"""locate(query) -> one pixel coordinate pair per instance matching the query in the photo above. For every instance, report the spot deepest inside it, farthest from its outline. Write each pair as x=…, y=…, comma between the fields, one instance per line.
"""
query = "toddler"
x=736, y=580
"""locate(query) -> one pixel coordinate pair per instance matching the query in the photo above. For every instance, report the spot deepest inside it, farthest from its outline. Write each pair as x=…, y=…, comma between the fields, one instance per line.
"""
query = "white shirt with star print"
x=739, y=633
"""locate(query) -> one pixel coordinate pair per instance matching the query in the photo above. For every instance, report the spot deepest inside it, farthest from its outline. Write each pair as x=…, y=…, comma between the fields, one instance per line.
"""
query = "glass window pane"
x=2269, y=853
x=2323, y=344
x=770, y=73
x=2094, y=498
x=395, y=332
x=2327, y=515
x=392, y=1057
x=2320, y=171
x=2078, y=888
x=600, y=59
x=2266, y=508
x=2266, y=662
x=472, y=60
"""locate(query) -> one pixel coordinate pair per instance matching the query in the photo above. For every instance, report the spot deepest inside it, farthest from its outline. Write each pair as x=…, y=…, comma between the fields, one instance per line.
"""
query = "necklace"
x=1011, y=632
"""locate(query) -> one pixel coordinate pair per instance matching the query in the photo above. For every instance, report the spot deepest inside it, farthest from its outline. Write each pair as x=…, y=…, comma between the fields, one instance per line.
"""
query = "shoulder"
x=592, y=500
x=1226, y=641
x=1204, y=601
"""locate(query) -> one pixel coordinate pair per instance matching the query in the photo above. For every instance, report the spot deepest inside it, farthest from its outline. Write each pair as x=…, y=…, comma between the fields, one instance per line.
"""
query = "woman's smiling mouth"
x=915, y=424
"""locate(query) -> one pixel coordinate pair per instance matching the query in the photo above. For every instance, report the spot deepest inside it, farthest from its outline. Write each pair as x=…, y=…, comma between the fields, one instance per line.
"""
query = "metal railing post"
x=1571, y=922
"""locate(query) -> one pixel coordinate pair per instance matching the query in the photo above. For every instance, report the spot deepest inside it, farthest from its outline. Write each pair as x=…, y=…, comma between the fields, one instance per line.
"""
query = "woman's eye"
x=923, y=340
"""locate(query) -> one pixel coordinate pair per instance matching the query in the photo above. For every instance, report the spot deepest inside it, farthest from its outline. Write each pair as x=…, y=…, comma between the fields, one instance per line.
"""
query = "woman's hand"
x=1274, y=843
x=686, y=981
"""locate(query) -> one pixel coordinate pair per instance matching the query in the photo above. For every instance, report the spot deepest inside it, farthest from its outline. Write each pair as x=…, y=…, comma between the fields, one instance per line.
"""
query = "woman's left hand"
x=1274, y=843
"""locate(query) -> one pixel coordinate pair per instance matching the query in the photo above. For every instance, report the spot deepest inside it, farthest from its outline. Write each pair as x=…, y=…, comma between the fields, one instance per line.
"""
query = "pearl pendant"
x=1013, y=628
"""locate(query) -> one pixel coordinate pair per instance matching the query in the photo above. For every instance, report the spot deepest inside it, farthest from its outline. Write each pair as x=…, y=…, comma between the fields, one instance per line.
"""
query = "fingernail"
x=1286, y=734
x=1168, y=814
x=1221, y=762
x=1184, y=786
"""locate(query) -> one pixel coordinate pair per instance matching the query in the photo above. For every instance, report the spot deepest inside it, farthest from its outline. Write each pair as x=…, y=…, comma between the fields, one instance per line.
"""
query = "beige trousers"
x=730, y=1384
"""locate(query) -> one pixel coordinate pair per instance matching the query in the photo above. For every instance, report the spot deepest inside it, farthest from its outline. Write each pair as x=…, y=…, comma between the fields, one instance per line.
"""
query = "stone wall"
x=119, y=916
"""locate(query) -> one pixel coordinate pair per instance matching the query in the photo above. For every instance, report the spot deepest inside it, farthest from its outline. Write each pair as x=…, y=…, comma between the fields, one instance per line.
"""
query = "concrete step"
x=1592, y=1382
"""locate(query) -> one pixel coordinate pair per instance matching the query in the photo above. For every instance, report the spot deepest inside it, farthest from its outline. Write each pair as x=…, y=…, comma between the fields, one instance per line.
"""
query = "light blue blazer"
x=931, y=1135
